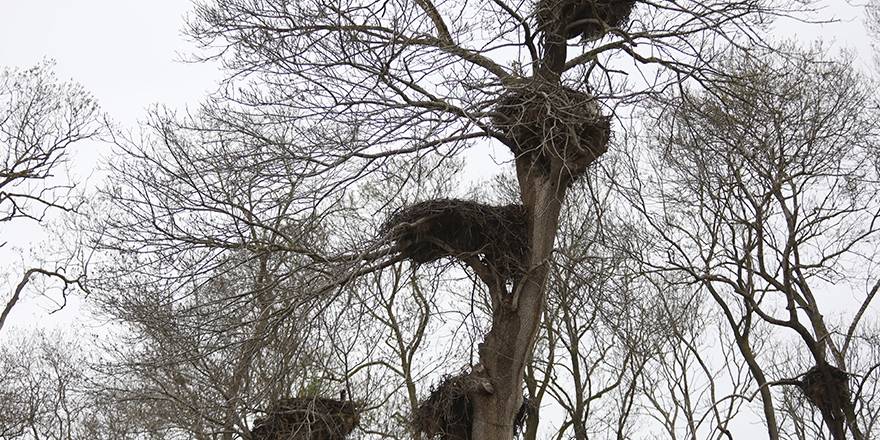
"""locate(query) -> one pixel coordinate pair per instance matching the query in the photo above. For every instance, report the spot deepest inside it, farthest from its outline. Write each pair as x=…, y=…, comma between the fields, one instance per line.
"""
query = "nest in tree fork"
x=587, y=18
x=434, y=229
x=308, y=418
x=552, y=126
x=826, y=387
x=447, y=413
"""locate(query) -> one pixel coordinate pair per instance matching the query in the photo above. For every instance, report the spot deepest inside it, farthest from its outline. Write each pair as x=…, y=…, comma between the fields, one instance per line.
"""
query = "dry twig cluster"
x=552, y=126
x=447, y=413
x=827, y=388
x=308, y=418
x=435, y=229
x=587, y=18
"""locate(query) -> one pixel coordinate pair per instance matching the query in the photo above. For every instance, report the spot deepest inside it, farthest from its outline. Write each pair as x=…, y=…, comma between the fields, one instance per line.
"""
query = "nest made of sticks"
x=430, y=230
x=308, y=418
x=447, y=413
x=587, y=18
x=549, y=124
x=826, y=387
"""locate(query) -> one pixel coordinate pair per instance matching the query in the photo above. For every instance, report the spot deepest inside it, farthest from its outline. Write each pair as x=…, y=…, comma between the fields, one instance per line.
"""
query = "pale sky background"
x=123, y=51
x=127, y=54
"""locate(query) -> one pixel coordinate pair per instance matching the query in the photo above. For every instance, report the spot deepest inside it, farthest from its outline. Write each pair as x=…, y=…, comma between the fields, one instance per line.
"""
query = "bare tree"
x=213, y=256
x=201, y=361
x=48, y=390
x=355, y=87
x=198, y=265
x=764, y=198
x=42, y=388
x=41, y=119
x=623, y=352
x=590, y=349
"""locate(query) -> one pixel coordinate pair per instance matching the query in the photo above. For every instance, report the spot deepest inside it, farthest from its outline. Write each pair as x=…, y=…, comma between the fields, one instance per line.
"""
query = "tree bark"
x=508, y=345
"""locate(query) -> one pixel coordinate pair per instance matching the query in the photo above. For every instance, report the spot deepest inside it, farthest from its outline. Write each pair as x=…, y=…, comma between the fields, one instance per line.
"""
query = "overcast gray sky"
x=127, y=53
x=123, y=51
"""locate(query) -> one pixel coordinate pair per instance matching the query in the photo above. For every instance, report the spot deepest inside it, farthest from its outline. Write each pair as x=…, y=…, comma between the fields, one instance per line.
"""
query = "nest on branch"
x=587, y=18
x=308, y=418
x=552, y=126
x=826, y=387
x=447, y=413
x=430, y=230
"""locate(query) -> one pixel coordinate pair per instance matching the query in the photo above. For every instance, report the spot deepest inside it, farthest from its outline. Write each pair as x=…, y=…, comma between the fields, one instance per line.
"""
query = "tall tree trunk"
x=508, y=345
x=543, y=180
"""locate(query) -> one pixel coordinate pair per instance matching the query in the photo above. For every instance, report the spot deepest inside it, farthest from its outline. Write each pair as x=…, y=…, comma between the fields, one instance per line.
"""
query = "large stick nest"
x=434, y=229
x=447, y=413
x=587, y=18
x=308, y=418
x=826, y=387
x=552, y=126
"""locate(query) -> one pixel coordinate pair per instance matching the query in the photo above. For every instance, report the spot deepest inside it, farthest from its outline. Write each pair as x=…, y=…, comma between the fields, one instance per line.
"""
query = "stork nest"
x=552, y=126
x=447, y=413
x=308, y=418
x=826, y=387
x=589, y=19
x=430, y=230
